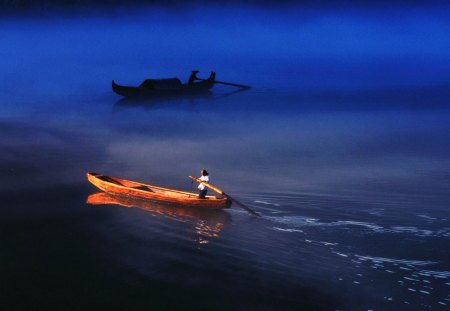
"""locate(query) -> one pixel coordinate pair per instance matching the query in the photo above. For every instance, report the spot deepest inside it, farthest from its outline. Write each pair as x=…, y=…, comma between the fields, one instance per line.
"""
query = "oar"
x=228, y=83
x=248, y=209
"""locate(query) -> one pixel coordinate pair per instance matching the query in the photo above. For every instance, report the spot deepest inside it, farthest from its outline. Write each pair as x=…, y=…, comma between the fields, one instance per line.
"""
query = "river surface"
x=342, y=145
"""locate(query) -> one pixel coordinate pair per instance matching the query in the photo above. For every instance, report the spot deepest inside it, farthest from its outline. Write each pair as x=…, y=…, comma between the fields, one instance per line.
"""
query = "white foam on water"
x=376, y=211
x=424, y=292
x=413, y=230
x=398, y=261
x=266, y=203
x=301, y=221
x=442, y=303
x=340, y=254
x=311, y=220
x=436, y=274
x=287, y=230
x=355, y=223
x=308, y=221
x=426, y=217
x=424, y=274
x=328, y=243
x=412, y=289
x=298, y=221
x=443, y=232
x=403, y=268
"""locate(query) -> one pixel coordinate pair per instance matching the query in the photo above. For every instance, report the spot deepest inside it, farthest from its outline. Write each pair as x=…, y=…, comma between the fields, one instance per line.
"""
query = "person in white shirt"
x=203, y=189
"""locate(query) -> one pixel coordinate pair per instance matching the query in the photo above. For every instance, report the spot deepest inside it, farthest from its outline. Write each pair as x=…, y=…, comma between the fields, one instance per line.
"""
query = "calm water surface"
x=342, y=146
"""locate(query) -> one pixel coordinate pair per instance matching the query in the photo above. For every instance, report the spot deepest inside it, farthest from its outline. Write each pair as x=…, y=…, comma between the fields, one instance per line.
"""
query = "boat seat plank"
x=142, y=187
x=109, y=179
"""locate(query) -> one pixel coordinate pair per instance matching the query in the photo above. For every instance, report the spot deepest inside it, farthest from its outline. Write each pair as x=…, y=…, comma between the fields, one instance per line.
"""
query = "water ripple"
x=397, y=261
x=303, y=221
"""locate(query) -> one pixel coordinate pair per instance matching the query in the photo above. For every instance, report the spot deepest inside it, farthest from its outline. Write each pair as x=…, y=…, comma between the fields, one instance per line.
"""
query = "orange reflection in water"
x=207, y=223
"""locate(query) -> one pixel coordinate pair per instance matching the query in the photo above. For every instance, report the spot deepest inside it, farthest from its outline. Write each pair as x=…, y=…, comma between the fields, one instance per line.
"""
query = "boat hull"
x=144, y=92
x=123, y=187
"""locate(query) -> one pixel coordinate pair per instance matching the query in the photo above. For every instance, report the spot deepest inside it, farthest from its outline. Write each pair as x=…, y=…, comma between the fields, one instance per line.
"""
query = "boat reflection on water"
x=163, y=101
x=207, y=223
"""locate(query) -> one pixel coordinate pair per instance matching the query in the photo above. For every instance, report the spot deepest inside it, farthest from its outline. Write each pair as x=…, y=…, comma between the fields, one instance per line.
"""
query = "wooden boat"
x=164, y=87
x=123, y=187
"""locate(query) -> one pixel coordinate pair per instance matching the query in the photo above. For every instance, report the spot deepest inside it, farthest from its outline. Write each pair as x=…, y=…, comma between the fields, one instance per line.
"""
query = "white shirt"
x=202, y=186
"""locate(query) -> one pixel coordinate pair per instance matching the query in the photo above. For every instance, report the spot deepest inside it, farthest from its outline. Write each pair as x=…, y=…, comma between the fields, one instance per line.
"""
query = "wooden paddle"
x=228, y=83
x=248, y=209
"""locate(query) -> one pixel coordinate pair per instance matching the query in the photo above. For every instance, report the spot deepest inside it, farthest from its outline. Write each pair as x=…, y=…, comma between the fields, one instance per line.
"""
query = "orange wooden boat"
x=123, y=187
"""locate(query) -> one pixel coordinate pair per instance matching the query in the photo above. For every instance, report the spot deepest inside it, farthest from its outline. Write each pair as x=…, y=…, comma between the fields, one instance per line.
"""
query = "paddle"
x=228, y=83
x=248, y=209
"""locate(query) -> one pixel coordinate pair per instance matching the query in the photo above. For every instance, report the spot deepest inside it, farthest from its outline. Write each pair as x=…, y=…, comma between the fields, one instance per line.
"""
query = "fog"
x=334, y=90
x=341, y=145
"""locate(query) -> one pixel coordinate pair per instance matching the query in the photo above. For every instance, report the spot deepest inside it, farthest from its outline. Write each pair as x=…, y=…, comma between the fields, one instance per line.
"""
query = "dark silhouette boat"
x=166, y=87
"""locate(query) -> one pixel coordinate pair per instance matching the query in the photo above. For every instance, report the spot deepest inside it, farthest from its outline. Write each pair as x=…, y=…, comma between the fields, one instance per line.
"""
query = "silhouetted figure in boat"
x=204, y=176
x=193, y=77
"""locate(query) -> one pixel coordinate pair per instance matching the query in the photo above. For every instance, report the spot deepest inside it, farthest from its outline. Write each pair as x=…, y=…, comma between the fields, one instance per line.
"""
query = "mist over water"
x=341, y=144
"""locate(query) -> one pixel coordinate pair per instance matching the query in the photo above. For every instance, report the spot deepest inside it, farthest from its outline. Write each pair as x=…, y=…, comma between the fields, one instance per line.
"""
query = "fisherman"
x=193, y=77
x=212, y=76
x=203, y=189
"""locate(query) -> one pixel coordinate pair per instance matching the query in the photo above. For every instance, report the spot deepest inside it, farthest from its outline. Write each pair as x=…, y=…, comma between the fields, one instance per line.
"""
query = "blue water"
x=342, y=146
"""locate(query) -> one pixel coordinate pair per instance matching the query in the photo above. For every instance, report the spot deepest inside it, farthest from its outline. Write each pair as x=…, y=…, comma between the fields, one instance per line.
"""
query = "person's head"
x=203, y=173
